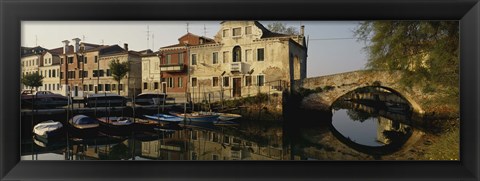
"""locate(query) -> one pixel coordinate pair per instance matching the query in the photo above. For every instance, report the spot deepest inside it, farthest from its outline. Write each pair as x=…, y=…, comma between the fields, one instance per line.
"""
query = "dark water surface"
x=350, y=132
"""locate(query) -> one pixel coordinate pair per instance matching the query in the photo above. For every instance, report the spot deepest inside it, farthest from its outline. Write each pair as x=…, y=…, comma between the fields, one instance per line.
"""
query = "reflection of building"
x=211, y=145
x=385, y=124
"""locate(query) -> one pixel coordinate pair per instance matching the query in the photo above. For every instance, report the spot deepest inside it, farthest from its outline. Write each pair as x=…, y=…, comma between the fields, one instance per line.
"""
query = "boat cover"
x=44, y=127
x=82, y=119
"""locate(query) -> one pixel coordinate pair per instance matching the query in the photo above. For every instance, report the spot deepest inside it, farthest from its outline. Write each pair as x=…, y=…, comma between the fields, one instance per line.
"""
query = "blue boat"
x=164, y=118
x=197, y=117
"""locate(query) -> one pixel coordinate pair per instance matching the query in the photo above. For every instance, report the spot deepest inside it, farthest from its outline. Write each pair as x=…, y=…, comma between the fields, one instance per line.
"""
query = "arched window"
x=237, y=54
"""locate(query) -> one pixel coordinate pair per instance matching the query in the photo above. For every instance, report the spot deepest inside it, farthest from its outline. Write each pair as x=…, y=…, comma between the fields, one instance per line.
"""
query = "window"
x=70, y=60
x=85, y=87
x=155, y=85
x=101, y=73
x=181, y=56
x=109, y=73
x=96, y=59
x=58, y=86
x=248, y=80
x=61, y=60
x=49, y=86
x=85, y=73
x=145, y=66
x=261, y=80
x=95, y=73
x=237, y=31
x=215, y=81
x=169, y=59
x=194, y=156
x=180, y=82
x=145, y=85
x=120, y=87
x=225, y=82
x=248, y=54
x=225, y=57
x=260, y=54
x=90, y=87
x=225, y=33
x=49, y=73
x=84, y=59
x=107, y=87
x=248, y=30
x=71, y=74
x=53, y=73
x=194, y=59
x=100, y=87
x=170, y=82
x=194, y=82
x=215, y=58
x=61, y=75
x=114, y=86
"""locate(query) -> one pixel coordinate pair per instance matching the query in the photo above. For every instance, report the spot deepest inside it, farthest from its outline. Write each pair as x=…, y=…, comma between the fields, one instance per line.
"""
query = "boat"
x=164, y=118
x=48, y=130
x=150, y=99
x=104, y=100
x=43, y=99
x=228, y=116
x=198, y=117
x=116, y=125
x=83, y=125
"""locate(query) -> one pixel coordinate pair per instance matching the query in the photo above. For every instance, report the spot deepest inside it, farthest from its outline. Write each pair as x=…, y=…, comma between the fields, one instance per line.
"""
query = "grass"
x=446, y=146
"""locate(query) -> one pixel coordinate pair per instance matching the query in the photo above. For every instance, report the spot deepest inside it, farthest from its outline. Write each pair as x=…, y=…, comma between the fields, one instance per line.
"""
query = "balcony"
x=172, y=68
x=238, y=67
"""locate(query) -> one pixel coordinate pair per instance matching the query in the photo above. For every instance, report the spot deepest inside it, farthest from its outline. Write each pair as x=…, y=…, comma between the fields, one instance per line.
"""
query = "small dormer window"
x=237, y=32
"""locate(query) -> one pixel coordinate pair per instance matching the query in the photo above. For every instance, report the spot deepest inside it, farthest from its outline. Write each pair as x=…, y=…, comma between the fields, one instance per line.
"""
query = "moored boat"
x=84, y=125
x=164, y=118
x=43, y=99
x=150, y=98
x=116, y=125
x=104, y=100
x=197, y=117
x=48, y=130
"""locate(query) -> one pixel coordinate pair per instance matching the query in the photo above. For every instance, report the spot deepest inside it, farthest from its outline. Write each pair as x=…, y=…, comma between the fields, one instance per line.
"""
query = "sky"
x=332, y=47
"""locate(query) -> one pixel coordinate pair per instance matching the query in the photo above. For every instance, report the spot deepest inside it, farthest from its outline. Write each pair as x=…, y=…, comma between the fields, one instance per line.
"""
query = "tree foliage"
x=119, y=70
x=32, y=80
x=279, y=27
x=426, y=51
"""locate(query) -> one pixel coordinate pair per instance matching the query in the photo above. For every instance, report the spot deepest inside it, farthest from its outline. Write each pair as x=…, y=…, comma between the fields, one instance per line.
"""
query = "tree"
x=32, y=80
x=426, y=51
x=119, y=70
x=279, y=27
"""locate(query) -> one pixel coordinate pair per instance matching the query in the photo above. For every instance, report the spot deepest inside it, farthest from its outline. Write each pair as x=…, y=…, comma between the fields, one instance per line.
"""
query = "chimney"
x=302, y=30
x=125, y=46
x=65, y=46
x=76, y=46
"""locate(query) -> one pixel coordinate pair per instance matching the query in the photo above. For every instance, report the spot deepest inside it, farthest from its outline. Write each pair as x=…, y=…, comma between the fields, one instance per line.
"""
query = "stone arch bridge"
x=344, y=83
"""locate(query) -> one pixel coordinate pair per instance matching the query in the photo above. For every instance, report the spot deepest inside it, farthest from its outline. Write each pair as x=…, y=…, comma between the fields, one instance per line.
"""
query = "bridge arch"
x=413, y=104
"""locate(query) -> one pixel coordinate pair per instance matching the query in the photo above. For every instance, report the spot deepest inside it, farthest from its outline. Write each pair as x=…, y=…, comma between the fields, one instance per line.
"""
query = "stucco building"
x=31, y=61
x=174, y=64
x=50, y=70
x=246, y=59
x=150, y=71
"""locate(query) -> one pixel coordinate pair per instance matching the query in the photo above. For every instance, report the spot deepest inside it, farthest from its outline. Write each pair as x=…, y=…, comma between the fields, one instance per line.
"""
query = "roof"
x=267, y=33
x=182, y=44
x=27, y=51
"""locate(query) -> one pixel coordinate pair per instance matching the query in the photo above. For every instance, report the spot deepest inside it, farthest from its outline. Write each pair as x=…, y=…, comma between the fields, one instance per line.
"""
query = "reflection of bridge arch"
x=412, y=103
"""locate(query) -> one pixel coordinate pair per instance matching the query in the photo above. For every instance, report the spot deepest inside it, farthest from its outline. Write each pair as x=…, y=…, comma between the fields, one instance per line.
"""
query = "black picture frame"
x=12, y=12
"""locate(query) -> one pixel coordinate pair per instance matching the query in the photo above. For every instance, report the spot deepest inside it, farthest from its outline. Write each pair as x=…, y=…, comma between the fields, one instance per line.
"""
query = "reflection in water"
x=352, y=131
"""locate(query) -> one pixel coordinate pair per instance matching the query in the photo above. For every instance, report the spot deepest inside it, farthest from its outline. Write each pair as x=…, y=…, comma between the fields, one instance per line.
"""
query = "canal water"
x=351, y=131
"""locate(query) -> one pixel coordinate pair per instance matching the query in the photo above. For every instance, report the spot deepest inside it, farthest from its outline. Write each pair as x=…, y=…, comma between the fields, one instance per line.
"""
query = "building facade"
x=174, y=64
x=30, y=61
x=151, y=81
x=50, y=70
x=246, y=59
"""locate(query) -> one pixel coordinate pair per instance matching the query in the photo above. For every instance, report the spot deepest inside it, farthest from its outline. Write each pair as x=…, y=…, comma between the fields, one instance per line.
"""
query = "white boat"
x=164, y=117
x=150, y=98
x=104, y=100
x=48, y=129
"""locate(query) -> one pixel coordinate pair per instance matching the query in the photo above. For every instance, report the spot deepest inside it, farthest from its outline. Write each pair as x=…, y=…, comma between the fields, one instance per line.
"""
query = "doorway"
x=237, y=87
x=164, y=87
